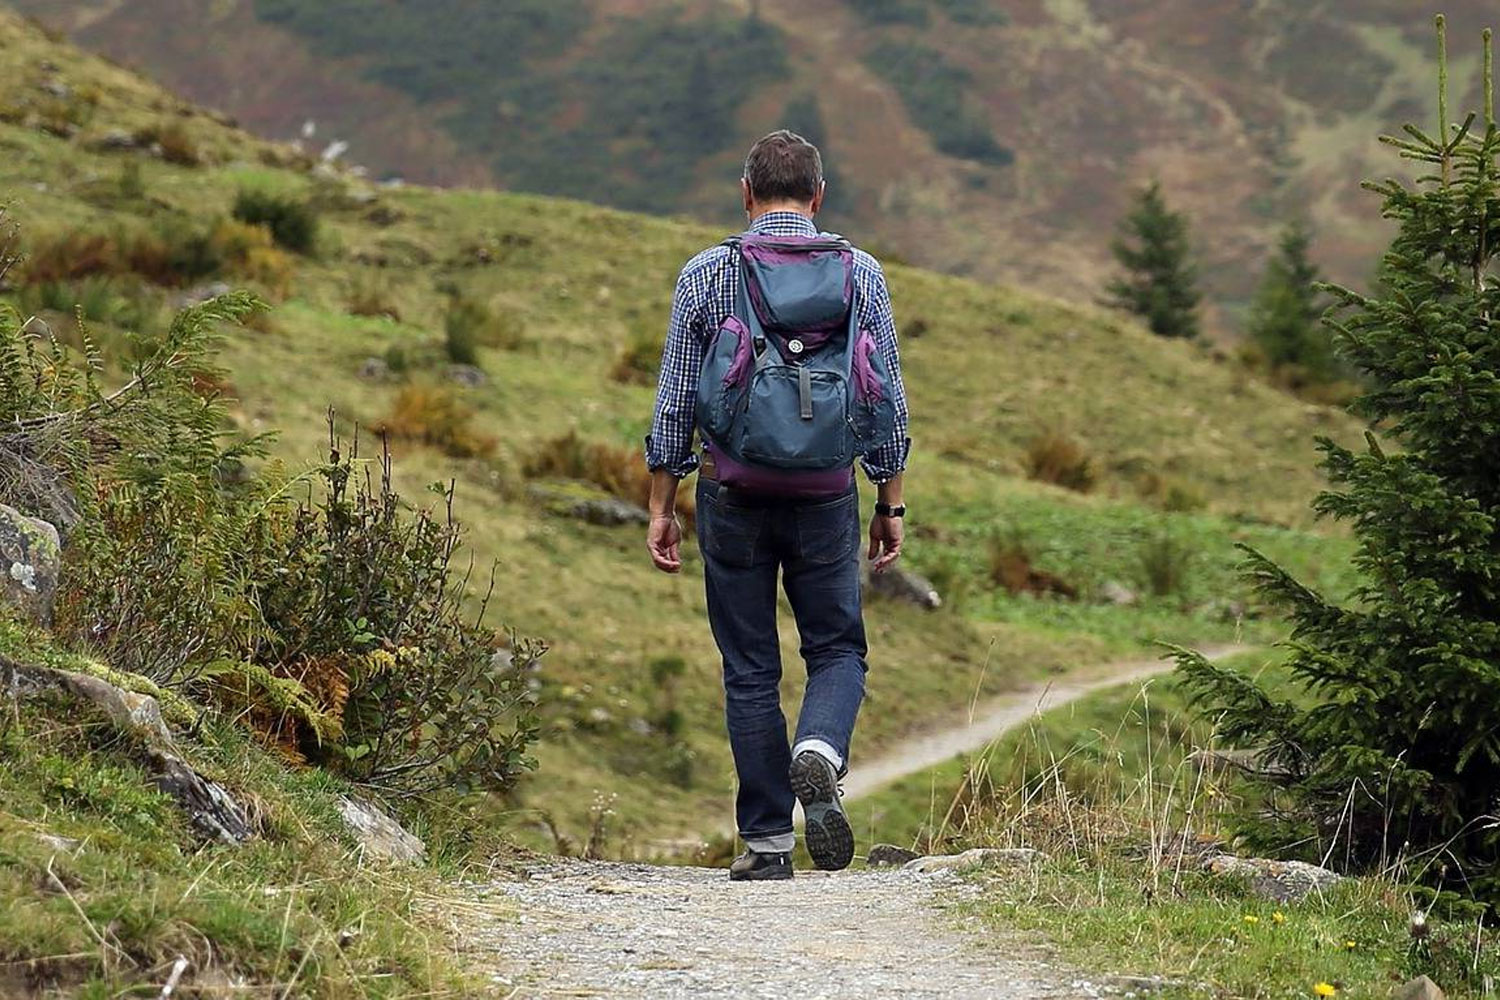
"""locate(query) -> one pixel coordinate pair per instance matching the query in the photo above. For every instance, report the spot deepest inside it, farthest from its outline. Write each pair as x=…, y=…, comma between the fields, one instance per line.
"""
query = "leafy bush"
x=1390, y=753
x=172, y=253
x=1054, y=457
x=361, y=605
x=248, y=252
x=434, y=415
x=293, y=223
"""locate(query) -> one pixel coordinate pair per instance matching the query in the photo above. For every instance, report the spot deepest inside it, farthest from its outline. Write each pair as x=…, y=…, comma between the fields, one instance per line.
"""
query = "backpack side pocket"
x=724, y=378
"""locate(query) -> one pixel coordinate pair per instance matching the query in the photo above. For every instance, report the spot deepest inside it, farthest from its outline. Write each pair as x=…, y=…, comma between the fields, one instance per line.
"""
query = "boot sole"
x=769, y=875
x=830, y=840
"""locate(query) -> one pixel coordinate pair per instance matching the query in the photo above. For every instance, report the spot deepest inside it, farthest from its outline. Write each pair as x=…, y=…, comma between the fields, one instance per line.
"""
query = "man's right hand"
x=664, y=540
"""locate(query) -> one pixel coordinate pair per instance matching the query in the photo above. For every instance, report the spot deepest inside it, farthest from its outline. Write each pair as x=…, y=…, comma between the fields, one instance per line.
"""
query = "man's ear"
x=745, y=194
x=817, y=202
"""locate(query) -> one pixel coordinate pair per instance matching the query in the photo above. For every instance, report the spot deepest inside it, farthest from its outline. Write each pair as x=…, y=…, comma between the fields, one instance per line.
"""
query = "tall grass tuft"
x=1054, y=457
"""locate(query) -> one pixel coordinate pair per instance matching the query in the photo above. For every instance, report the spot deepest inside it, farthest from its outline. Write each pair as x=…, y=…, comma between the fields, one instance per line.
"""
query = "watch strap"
x=886, y=510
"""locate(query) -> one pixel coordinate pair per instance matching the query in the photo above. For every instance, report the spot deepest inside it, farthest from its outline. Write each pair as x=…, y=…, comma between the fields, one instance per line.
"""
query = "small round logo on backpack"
x=795, y=346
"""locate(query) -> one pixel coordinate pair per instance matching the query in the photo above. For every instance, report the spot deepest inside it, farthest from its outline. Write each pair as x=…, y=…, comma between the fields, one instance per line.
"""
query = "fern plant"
x=1392, y=750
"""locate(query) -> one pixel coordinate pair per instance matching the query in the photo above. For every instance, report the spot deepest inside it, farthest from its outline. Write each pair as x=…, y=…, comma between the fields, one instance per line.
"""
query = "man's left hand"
x=885, y=541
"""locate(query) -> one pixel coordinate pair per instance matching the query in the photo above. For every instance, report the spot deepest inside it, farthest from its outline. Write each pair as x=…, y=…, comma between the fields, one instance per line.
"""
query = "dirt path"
x=992, y=719
x=613, y=930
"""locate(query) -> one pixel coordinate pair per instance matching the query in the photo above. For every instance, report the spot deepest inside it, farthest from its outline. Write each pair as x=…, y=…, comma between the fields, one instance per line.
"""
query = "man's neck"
x=781, y=206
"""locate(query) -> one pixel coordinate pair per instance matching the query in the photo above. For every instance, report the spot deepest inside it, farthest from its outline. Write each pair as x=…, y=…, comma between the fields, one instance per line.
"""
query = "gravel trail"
x=582, y=929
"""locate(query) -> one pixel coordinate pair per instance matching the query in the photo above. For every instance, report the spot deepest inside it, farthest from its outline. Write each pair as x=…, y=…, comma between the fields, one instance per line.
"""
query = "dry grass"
x=435, y=416
x=1054, y=457
x=618, y=471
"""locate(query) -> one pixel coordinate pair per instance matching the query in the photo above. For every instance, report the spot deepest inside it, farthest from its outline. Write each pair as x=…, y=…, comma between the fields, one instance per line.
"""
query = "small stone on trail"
x=467, y=375
x=889, y=856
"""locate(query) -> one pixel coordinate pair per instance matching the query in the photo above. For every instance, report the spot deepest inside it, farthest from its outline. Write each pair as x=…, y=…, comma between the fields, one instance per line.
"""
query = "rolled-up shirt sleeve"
x=670, y=444
x=889, y=460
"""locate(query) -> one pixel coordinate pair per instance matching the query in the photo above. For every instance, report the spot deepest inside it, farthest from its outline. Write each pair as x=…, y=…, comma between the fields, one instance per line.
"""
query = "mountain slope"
x=1189, y=454
x=985, y=137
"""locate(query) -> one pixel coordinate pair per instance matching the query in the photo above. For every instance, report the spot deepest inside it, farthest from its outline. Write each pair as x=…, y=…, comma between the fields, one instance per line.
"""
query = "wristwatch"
x=886, y=510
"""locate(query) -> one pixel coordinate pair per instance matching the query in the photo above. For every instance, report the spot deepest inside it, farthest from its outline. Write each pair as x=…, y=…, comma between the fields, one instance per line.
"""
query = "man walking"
x=782, y=353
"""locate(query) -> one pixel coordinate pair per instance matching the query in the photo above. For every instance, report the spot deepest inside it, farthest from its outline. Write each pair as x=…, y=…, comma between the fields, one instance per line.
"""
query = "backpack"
x=792, y=390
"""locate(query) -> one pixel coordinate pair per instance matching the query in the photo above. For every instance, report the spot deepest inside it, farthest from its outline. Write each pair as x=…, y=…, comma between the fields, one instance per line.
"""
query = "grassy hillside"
x=991, y=137
x=1183, y=454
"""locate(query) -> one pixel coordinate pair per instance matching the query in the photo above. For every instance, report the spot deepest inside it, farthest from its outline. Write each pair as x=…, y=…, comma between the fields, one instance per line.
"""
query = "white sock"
x=822, y=748
x=781, y=843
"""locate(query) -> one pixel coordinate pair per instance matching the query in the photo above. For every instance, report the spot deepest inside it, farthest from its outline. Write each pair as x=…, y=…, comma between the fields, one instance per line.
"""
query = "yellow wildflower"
x=1278, y=917
x=1324, y=989
x=1251, y=918
x=1350, y=945
x=380, y=661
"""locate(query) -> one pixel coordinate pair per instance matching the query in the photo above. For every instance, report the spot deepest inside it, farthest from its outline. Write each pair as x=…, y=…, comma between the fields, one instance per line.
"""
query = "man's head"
x=783, y=172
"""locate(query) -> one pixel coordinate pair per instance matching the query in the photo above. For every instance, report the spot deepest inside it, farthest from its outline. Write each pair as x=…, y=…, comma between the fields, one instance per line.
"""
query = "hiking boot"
x=815, y=782
x=752, y=866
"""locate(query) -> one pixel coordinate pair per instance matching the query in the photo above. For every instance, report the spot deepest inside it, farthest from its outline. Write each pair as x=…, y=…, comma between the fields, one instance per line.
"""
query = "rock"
x=378, y=834
x=139, y=714
x=56, y=88
x=889, y=856
x=30, y=559
x=213, y=812
x=38, y=328
x=66, y=845
x=899, y=584
x=608, y=512
x=979, y=857
x=1420, y=988
x=374, y=369
x=210, y=807
x=115, y=140
x=467, y=375
x=201, y=294
x=1116, y=593
x=1283, y=881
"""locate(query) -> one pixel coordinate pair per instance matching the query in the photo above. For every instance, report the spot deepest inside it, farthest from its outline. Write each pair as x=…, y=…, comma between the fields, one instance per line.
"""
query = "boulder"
x=1116, y=593
x=889, y=856
x=1282, y=881
x=979, y=857
x=210, y=807
x=898, y=584
x=1420, y=988
x=375, y=369
x=467, y=375
x=378, y=834
x=30, y=559
x=609, y=512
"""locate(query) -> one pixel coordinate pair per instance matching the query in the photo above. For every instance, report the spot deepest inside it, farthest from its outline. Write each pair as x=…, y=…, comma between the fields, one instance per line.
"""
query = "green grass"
x=107, y=909
x=1109, y=789
x=992, y=367
x=1211, y=936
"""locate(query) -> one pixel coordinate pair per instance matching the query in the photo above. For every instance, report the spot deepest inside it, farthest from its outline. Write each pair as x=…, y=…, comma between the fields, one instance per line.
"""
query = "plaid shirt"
x=705, y=297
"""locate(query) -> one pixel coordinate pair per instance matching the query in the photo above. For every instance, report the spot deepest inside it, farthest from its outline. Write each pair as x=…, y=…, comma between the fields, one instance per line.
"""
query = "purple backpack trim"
x=779, y=482
x=739, y=368
x=867, y=385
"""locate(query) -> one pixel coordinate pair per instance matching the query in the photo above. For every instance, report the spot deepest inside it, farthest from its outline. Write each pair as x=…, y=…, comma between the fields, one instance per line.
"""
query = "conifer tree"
x=1285, y=318
x=1391, y=749
x=1159, y=284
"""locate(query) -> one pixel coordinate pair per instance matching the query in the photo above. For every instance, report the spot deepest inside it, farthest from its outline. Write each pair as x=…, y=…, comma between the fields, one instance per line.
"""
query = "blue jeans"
x=814, y=544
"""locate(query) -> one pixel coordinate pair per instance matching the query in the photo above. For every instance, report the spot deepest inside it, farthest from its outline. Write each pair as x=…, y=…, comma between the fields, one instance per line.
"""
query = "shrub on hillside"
x=434, y=415
x=1054, y=457
x=639, y=360
x=249, y=253
x=1165, y=561
x=370, y=296
x=293, y=223
x=620, y=472
x=171, y=253
x=334, y=626
x=175, y=142
x=471, y=324
x=1011, y=566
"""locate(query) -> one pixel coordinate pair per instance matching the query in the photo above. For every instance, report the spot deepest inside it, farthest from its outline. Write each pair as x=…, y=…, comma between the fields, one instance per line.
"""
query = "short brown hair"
x=783, y=166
